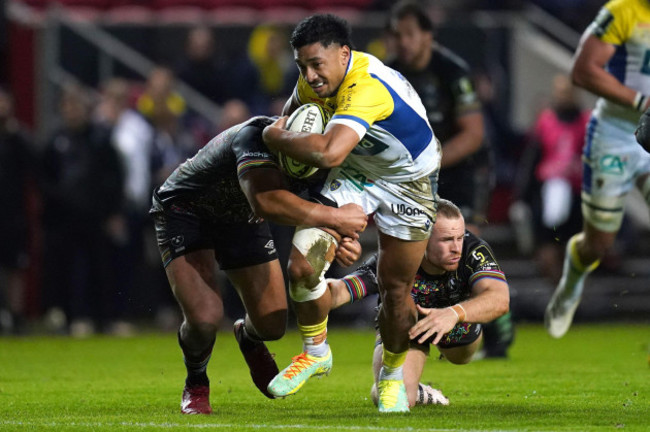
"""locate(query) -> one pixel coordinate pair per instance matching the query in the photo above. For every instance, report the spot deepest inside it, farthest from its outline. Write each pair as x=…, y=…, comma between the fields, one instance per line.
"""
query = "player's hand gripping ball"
x=642, y=132
x=307, y=118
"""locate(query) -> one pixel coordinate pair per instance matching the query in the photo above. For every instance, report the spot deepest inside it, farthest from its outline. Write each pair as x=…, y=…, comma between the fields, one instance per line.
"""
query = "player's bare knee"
x=205, y=318
x=272, y=333
x=196, y=335
x=271, y=326
x=392, y=297
x=597, y=244
x=301, y=272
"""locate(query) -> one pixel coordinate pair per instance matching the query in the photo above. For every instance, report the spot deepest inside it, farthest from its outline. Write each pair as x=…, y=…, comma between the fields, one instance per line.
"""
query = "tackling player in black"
x=458, y=286
x=216, y=206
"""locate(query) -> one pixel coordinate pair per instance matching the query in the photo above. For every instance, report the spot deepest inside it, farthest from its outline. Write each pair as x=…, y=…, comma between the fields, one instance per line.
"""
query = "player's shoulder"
x=476, y=251
x=472, y=240
x=443, y=57
x=244, y=136
x=364, y=68
x=623, y=12
x=622, y=7
x=367, y=79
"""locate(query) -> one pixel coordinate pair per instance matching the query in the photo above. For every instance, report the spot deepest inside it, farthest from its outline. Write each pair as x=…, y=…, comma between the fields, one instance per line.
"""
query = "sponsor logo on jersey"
x=612, y=164
x=256, y=154
x=402, y=209
x=177, y=243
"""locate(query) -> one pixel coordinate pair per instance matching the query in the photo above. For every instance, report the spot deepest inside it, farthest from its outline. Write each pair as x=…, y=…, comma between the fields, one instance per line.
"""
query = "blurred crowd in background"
x=77, y=249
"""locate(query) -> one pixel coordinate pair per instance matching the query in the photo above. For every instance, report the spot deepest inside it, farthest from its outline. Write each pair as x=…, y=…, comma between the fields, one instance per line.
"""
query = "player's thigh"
x=192, y=278
x=461, y=353
x=262, y=290
x=398, y=261
x=189, y=261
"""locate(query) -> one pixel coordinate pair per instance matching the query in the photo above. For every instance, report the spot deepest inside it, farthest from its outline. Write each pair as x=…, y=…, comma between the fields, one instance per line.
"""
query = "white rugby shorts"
x=612, y=161
x=404, y=210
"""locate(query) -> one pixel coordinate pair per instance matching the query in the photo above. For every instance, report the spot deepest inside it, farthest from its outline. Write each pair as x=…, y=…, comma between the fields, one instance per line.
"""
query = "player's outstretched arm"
x=490, y=299
x=266, y=192
x=320, y=150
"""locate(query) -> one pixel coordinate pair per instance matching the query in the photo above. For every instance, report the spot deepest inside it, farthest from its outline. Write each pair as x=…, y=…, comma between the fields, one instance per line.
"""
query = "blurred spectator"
x=164, y=107
x=132, y=136
x=219, y=73
x=172, y=144
x=15, y=167
x=160, y=103
x=267, y=49
x=552, y=167
x=198, y=68
x=505, y=141
x=82, y=187
x=234, y=111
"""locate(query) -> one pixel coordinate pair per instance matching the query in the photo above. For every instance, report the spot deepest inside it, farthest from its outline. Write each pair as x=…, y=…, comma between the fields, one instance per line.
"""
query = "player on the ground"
x=458, y=286
x=213, y=207
x=611, y=62
x=382, y=151
x=443, y=81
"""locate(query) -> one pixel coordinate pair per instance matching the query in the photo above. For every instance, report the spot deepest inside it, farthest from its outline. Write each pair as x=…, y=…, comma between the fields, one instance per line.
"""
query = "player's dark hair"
x=412, y=8
x=324, y=28
x=448, y=209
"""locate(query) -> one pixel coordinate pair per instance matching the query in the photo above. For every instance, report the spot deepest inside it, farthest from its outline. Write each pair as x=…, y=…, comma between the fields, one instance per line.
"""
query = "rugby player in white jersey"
x=613, y=62
x=381, y=151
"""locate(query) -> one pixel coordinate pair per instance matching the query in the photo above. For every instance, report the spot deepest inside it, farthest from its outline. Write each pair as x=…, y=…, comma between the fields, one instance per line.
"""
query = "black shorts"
x=235, y=245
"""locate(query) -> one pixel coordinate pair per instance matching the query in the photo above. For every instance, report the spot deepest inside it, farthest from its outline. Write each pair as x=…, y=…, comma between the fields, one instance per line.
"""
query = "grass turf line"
x=595, y=378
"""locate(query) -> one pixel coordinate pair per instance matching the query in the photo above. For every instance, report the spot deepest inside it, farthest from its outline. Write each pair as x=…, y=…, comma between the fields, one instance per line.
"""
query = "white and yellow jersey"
x=626, y=25
x=396, y=141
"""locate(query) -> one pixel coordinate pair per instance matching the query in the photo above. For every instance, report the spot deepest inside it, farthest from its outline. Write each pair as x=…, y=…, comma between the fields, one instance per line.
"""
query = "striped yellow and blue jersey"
x=396, y=142
x=626, y=25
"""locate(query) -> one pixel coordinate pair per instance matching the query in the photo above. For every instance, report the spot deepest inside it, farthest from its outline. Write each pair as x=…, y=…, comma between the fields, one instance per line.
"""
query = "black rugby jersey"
x=438, y=291
x=207, y=184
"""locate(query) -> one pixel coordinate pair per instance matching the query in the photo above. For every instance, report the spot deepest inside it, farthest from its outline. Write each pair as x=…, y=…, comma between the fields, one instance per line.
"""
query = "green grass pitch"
x=597, y=378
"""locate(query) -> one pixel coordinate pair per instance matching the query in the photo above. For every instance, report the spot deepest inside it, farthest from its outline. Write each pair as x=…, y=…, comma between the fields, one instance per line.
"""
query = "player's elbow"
x=502, y=306
x=331, y=159
x=264, y=205
x=580, y=75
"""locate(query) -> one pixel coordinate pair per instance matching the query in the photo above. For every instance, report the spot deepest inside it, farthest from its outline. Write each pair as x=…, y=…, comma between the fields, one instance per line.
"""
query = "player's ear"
x=345, y=55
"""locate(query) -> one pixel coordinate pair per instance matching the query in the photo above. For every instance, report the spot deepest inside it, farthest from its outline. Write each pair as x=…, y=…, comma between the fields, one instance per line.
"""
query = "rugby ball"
x=309, y=118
